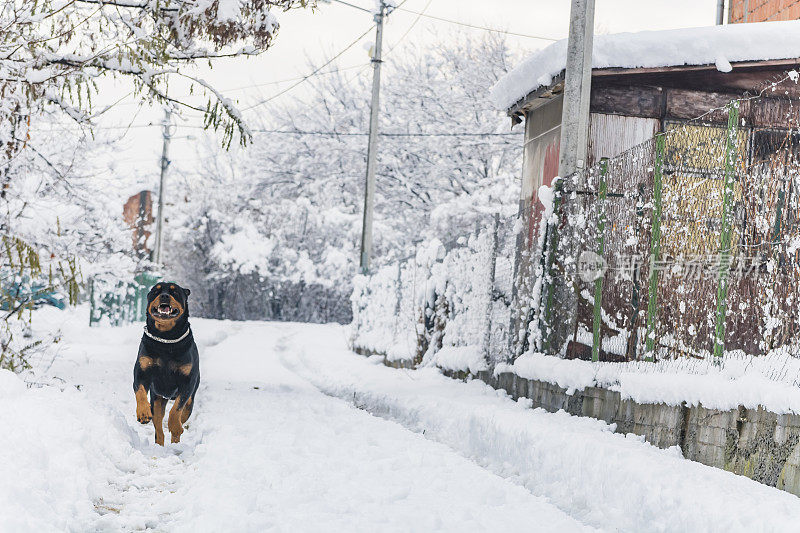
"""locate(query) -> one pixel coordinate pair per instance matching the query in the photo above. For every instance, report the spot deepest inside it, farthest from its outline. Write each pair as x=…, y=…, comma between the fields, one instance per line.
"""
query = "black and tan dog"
x=168, y=364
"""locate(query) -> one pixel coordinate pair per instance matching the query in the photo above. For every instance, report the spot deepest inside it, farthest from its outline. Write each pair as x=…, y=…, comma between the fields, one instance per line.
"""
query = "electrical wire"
x=352, y=5
x=287, y=80
x=411, y=27
x=317, y=72
x=322, y=133
x=474, y=26
x=390, y=134
x=314, y=73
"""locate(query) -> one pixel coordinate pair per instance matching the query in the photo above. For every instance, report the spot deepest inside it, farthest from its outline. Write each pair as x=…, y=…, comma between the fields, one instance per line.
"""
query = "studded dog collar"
x=167, y=341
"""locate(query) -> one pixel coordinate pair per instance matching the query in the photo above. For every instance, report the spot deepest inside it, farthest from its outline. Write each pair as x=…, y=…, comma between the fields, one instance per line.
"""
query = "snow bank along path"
x=608, y=480
x=264, y=449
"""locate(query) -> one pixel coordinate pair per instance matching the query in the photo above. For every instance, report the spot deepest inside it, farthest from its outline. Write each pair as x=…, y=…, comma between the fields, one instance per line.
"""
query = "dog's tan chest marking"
x=183, y=368
x=146, y=362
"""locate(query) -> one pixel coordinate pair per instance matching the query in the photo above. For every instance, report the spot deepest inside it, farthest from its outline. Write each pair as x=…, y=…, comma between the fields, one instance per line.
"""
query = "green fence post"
x=601, y=244
x=776, y=231
x=544, y=325
x=731, y=153
x=655, y=248
x=92, y=304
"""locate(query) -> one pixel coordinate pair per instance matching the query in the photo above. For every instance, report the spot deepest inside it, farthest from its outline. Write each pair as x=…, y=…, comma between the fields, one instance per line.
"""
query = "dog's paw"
x=144, y=416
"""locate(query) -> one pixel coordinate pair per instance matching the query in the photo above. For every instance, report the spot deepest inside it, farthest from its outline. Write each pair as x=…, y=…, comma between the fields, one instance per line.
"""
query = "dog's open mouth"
x=166, y=311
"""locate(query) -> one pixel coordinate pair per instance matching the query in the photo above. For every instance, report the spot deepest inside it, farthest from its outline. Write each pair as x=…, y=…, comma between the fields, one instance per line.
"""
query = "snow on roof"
x=717, y=45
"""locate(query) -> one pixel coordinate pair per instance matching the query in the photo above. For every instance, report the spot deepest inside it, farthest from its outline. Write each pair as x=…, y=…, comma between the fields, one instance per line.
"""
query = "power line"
x=484, y=28
x=255, y=85
x=314, y=73
x=331, y=60
x=442, y=19
x=351, y=5
x=322, y=133
x=390, y=134
x=287, y=80
x=419, y=16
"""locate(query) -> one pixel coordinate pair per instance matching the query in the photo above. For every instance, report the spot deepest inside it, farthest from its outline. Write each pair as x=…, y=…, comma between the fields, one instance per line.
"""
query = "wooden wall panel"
x=627, y=100
x=689, y=104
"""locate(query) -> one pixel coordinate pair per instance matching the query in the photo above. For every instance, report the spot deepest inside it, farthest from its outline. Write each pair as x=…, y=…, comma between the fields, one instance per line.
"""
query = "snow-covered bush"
x=446, y=306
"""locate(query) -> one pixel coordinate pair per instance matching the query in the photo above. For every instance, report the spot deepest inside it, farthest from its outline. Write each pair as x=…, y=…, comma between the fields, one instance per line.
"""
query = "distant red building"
x=138, y=213
x=763, y=10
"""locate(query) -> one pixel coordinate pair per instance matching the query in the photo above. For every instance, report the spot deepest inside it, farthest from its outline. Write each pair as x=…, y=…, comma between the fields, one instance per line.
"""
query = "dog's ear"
x=187, y=292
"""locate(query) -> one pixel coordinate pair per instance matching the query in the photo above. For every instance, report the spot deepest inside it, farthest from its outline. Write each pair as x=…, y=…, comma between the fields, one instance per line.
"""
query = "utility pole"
x=372, y=149
x=162, y=184
x=577, y=87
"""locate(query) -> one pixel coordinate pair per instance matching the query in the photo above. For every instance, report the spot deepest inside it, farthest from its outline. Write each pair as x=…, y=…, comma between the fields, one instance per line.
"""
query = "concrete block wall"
x=755, y=443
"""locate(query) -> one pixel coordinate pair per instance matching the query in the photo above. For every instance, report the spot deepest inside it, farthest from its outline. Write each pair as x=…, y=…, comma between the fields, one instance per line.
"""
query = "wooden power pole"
x=577, y=87
x=162, y=184
x=372, y=149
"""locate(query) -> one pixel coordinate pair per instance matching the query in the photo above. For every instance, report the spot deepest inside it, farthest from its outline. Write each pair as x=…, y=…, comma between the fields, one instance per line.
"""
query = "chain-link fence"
x=685, y=246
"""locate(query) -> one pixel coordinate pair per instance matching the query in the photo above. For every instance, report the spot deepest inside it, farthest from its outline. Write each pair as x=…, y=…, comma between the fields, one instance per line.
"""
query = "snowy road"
x=284, y=438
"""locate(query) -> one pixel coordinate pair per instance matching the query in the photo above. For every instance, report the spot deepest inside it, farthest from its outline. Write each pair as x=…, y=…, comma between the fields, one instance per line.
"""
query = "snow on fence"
x=684, y=247
x=449, y=304
x=118, y=302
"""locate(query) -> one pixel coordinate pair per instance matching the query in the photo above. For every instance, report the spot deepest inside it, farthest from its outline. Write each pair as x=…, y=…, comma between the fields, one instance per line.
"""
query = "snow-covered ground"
x=293, y=432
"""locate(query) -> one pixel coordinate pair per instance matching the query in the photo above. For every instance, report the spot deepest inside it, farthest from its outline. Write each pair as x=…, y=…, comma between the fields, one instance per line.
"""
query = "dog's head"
x=167, y=305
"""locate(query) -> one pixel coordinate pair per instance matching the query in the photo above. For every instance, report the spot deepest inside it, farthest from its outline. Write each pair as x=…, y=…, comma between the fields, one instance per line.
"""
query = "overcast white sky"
x=314, y=36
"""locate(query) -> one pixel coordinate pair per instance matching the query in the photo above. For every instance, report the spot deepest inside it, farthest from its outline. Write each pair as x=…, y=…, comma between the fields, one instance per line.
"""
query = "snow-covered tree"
x=286, y=213
x=54, y=51
x=54, y=219
x=56, y=228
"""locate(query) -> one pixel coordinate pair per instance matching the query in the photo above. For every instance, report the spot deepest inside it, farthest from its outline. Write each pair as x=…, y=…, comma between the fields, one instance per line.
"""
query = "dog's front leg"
x=141, y=382
x=143, y=412
x=159, y=407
